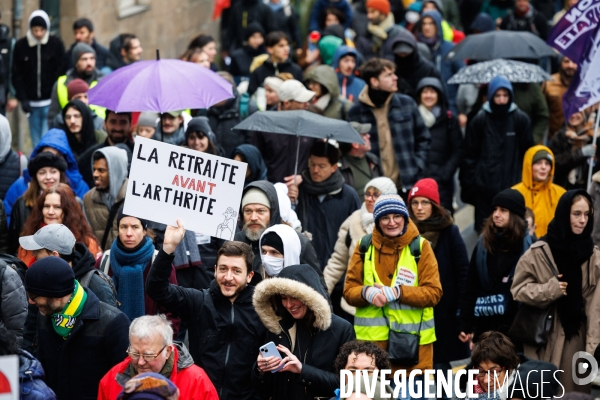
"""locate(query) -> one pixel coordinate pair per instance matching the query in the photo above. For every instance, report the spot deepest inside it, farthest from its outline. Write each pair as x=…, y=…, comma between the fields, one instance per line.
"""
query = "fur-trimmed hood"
x=300, y=282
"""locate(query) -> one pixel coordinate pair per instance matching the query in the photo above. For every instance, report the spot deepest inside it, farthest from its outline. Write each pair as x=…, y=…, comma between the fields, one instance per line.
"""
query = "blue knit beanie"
x=390, y=204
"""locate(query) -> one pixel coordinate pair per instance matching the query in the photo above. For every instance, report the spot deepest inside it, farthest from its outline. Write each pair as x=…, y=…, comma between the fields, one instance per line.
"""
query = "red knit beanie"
x=383, y=6
x=427, y=188
x=77, y=86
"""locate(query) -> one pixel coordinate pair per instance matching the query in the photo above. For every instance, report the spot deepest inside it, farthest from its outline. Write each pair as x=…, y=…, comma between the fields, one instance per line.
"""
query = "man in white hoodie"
x=37, y=62
x=102, y=202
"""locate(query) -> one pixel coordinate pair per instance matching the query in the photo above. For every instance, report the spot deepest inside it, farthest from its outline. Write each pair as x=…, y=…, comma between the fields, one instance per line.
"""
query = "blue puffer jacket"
x=350, y=86
x=439, y=51
x=57, y=139
x=31, y=379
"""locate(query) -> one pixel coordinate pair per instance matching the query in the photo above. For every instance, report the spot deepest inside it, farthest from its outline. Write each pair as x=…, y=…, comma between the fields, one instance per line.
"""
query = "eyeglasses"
x=491, y=371
x=146, y=357
x=388, y=218
x=373, y=196
x=422, y=203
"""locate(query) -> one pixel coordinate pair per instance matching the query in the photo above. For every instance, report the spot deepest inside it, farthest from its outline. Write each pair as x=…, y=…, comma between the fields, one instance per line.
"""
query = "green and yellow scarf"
x=64, y=322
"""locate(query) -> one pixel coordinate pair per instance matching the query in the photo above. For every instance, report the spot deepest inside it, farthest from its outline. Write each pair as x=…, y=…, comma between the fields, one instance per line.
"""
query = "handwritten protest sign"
x=167, y=182
x=9, y=378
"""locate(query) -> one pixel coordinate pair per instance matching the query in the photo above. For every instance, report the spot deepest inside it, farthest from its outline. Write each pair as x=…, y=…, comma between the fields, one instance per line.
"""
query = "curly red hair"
x=73, y=217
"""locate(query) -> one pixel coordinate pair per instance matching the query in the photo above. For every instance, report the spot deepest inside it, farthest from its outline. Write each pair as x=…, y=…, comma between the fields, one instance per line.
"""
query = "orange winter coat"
x=387, y=253
x=541, y=197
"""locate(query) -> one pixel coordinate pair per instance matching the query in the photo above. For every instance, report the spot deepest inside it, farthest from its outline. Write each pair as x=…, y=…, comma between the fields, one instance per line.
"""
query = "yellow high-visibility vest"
x=372, y=323
x=63, y=96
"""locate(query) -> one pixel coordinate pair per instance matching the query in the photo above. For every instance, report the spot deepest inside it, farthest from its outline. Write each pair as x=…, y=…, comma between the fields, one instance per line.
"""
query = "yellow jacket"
x=541, y=197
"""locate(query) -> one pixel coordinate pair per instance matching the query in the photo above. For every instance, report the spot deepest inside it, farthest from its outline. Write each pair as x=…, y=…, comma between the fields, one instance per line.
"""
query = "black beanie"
x=38, y=21
x=120, y=216
x=512, y=200
x=46, y=159
x=50, y=277
x=200, y=124
x=252, y=28
x=272, y=239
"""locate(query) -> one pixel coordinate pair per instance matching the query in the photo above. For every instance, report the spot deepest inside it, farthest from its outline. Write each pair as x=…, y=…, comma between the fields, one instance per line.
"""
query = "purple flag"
x=577, y=37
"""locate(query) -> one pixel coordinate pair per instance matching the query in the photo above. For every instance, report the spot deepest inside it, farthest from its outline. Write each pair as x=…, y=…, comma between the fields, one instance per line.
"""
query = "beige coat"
x=535, y=284
x=338, y=262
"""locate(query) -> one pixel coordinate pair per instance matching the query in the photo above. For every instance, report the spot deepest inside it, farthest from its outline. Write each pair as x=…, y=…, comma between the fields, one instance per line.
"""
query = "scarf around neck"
x=332, y=184
x=570, y=252
x=64, y=321
x=366, y=219
x=428, y=116
x=378, y=97
x=128, y=267
x=431, y=227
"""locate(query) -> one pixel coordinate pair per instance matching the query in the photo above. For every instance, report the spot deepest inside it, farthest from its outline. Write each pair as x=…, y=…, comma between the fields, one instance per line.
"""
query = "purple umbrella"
x=160, y=85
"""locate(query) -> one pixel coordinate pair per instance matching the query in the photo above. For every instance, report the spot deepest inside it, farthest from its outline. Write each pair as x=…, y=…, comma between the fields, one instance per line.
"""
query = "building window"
x=127, y=8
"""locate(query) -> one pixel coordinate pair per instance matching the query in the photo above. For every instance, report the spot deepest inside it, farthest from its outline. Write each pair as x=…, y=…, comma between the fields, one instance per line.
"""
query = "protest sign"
x=576, y=36
x=167, y=182
x=9, y=378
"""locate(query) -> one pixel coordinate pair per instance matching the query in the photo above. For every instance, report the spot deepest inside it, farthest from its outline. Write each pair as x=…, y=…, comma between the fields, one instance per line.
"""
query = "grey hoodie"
x=116, y=160
x=5, y=138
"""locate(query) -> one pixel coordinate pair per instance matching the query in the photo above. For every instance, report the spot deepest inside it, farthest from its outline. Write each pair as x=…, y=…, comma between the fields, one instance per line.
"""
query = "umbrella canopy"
x=514, y=71
x=160, y=85
x=501, y=44
x=300, y=123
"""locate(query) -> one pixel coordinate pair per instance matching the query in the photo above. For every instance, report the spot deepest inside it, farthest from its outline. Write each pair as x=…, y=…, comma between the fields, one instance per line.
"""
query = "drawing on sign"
x=167, y=183
x=227, y=228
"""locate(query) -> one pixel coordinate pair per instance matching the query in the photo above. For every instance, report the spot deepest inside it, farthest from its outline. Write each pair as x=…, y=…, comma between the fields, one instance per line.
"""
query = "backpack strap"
x=244, y=100
x=415, y=248
x=85, y=280
x=105, y=262
x=365, y=243
x=109, y=223
x=348, y=239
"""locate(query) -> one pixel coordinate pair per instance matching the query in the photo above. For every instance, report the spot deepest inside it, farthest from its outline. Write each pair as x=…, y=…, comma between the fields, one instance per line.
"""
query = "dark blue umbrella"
x=300, y=123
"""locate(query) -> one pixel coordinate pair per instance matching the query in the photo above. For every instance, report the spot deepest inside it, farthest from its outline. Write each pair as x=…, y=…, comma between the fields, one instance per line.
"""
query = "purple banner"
x=576, y=36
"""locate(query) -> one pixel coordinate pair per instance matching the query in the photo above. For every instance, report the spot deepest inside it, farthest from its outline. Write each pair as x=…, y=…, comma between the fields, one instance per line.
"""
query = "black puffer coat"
x=224, y=336
x=316, y=346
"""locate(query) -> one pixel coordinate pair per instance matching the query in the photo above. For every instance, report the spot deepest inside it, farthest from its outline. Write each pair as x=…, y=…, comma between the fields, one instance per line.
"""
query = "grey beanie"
x=80, y=49
x=148, y=118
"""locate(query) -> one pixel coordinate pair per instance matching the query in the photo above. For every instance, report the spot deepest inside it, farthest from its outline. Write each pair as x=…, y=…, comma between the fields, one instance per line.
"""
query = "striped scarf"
x=64, y=322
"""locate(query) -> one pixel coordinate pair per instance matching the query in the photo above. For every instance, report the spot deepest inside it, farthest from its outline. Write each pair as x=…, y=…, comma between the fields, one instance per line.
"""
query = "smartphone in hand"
x=270, y=350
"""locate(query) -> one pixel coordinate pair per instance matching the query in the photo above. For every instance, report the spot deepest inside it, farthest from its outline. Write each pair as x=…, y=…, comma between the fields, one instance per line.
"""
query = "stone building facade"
x=167, y=25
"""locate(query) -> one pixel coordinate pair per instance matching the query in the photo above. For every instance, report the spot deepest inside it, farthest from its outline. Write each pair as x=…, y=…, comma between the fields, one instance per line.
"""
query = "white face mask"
x=273, y=265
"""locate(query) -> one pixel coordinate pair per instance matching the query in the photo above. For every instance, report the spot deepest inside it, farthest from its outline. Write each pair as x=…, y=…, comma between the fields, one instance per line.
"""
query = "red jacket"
x=192, y=381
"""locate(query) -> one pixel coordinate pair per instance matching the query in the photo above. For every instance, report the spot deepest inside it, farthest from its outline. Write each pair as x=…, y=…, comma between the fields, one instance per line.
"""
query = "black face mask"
x=501, y=109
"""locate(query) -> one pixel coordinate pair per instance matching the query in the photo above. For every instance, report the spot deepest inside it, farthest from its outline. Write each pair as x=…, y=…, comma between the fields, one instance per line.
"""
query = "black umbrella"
x=501, y=44
x=514, y=71
x=300, y=123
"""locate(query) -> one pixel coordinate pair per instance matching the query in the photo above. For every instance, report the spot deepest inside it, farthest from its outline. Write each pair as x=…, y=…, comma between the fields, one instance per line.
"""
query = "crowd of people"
x=337, y=267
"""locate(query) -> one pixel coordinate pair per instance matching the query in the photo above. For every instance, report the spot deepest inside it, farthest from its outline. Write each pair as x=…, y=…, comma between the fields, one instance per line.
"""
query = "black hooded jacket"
x=307, y=252
x=241, y=14
x=224, y=336
x=256, y=164
x=412, y=68
x=316, y=345
x=259, y=75
x=445, y=151
x=223, y=118
x=88, y=132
